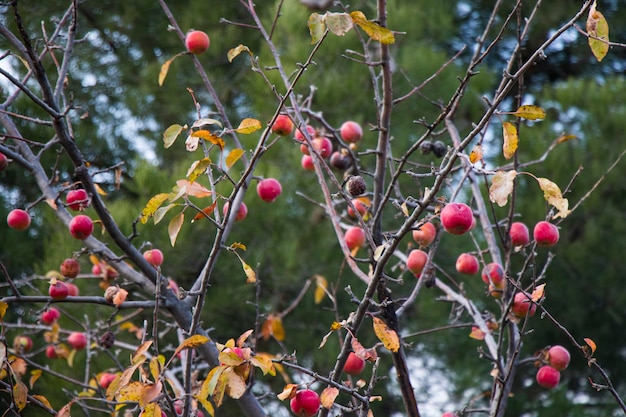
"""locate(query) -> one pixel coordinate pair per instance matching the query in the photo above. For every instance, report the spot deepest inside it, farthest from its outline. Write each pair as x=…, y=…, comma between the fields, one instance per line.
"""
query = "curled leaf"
x=339, y=23
x=206, y=122
x=501, y=187
x=320, y=288
x=476, y=333
x=191, y=342
x=552, y=194
x=170, y=134
x=198, y=168
x=233, y=157
x=328, y=396
x=210, y=137
x=233, y=53
x=174, y=227
x=388, y=336
x=374, y=30
x=316, y=27
x=165, y=68
x=530, y=112
x=248, y=126
x=538, y=293
x=591, y=344
x=510, y=139
x=476, y=154
x=151, y=206
x=120, y=297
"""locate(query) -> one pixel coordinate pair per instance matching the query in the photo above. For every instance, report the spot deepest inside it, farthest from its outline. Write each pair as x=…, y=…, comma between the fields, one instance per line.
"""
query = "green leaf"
x=198, y=168
x=598, y=31
x=171, y=134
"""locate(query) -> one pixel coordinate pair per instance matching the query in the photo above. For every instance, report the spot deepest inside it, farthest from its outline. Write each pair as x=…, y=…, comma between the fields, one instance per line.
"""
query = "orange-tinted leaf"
x=374, y=31
x=263, y=361
x=530, y=112
x=248, y=126
x=338, y=23
x=321, y=284
x=564, y=138
x=42, y=400
x=598, y=31
x=151, y=410
x=288, y=392
x=171, y=134
x=501, y=187
x=165, y=69
x=328, y=396
x=317, y=28
x=99, y=190
x=591, y=344
x=476, y=154
x=19, y=367
x=538, y=293
x=20, y=394
x=34, y=376
x=238, y=245
x=241, y=340
x=233, y=157
x=552, y=194
x=510, y=139
x=3, y=309
x=120, y=297
x=233, y=53
x=388, y=336
x=153, y=204
x=193, y=189
x=138, y=354
x=476, y=333
x=198, y=168
x=174, y=227
x=191, y=342
x=207, y=211
x=210, y=137
x=149, y=393
x=65, y=411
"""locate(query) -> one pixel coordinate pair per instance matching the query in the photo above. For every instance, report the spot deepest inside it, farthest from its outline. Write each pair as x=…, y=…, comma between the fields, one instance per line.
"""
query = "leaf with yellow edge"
x=165, y=69
x=151, y=410
x=250, y=274
x=217, y=384
x=591, y=344
x=191, y=342
x=206, y=405
x=20, y=395
x=501, y=187
x=598, y=31
x=234, y=52
x=138, y=354
x=476, y=154
x=538, y=293
x=3, y=309
x=552, y=194
x=198, y=168
x=510, y=139
x=388, y=336
x=374, y=31
x=234, y=156
x=151, y=206
x=156, y=365
x=264, y=362
x=42, y=400
x=328, y=396
x=174, y=227
x=131, y=392
x=34, y=376
x=338, y=23
x=321, y=284
x=248, y=126
x=210, y=137
x=530, y=112
x=241, y=340
x=317, y=27
x=171, y=134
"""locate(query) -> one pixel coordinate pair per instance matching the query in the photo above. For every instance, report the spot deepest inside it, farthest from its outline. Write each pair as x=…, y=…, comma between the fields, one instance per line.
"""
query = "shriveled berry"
x=356, y=185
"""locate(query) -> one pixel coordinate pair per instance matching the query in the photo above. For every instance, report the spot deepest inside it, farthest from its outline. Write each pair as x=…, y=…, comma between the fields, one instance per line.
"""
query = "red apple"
x=22, y=344
x=523, y=305
x=307, y=163
x=4, y=162
x=58, y=290
x=548, y=377
x=493, y=273
x=81, y=227
x=72, y=289
x=70, y=268
x=77, y=200
x=467, y=264
x=306, y=403
x=283, y=125
x=457, y=218
x=50, y=315
x=519, y=233
x=18, y=219
x=546, y=234
x=448, y=414
x=355, y=237
x=425, y=234
x=300, y=136
x=354, y=365
x=105, y=379
x=360, y=207
x=416, y=260
x=558, y=357
x=154, y=257
x=351, y=131
x=241, y=213
x=197, y=42
x=51, y=352
x=77, y=340
x=322, y=145
x=269, y=189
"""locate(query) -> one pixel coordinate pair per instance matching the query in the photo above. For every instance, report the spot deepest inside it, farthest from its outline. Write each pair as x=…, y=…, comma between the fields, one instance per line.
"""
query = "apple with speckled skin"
x=425, y=234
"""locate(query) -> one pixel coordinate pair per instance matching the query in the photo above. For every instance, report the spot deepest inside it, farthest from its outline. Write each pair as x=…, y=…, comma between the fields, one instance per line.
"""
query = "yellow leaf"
x=156, y=365
x=278, y=331
x=42, y=400
x=405, y=210
x=151, y=410
x=320, y=288
x=174, y=227
x=338, y=23
x=170, y=135
x=591, y=344
x=210, y=137
x=191, y=342
x=34, y=376
x=501, y=187
x=99, y=190
x=476, y=154
x=216, y=384
x=263, y=361
x=552, y=194
x=289, y=391
x=476, y=333
x=198, y=168
x=248, y=126
x=193, y=189
x=131, y=392
x=151, y=206
x=328, y=396
x=510, y=139
x=165, y=68
x=238, y=245
x=316, y=27
x=538, y=293
x=250, y=274
x=138, y=354
x=3, y=309
x=233, y=53
x=388, y=336
x=20, y=394
x=206, y=404
x=375, y=31
x=233, y=157
x=598, y=31
x=564, y=138
x=530, y=112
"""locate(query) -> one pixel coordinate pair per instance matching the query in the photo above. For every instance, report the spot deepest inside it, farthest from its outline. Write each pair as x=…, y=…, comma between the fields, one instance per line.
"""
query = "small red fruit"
x=300, y=136
x=81, y=227
x=351, y=132
x=323, y=146
x=154, y=257
x=416, y=260
x=197, y=42
x=425, y=234
x=18, y=219
x=4, y=162
x=70, y=268
x=58, y=290
x=77, y=200
x=50, y=315
x=307, y=163
x=360, y=207
x=467, y=264
x=241, y=213
x=448, y=414
x=548, y=377
x=354, y=365
x=558, y=357
x=51, y=352
x=283, y=125
x=22, y=344
x=355, y=237
x=520, y=235
x=546, y=234
x=457, y=218
x=72, y=289
x=523, y=305
x=306, y=403
x=77, y=340
x=269, y=189
x=493, y=273
x=105, y=379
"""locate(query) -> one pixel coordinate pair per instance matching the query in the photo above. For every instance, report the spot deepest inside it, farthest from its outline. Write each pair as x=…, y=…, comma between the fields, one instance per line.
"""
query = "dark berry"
x=439, y=149
x=426, y=147
x=356, y=185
